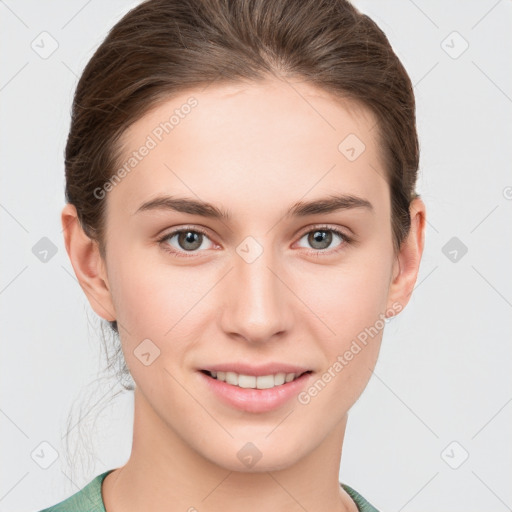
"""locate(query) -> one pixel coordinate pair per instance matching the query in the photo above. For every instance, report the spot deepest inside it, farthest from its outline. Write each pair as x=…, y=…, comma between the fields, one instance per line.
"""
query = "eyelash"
x=318, y=252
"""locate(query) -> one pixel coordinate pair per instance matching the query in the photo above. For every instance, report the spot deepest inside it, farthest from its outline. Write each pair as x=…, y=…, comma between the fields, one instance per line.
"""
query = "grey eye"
x=320, y=239
x=188, y=240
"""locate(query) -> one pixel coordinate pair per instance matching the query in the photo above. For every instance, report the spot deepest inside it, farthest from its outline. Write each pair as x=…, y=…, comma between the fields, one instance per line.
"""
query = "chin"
x=250, y=459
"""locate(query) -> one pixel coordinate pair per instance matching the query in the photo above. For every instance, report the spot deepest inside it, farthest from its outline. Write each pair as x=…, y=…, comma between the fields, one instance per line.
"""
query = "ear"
x=407, y=262
x=87, y=263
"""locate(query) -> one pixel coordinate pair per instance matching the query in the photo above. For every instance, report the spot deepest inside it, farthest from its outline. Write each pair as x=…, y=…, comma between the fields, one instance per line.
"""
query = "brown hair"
x=164, y=47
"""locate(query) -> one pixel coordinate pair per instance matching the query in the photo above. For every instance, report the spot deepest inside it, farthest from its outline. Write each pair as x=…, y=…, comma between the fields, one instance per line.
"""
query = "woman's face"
x=270, y=283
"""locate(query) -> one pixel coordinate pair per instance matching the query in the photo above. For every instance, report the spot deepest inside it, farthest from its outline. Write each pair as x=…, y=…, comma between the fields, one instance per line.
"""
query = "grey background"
x=441, y=389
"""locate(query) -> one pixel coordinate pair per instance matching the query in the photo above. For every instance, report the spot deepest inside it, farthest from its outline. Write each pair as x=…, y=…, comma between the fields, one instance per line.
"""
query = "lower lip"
x=256, y=400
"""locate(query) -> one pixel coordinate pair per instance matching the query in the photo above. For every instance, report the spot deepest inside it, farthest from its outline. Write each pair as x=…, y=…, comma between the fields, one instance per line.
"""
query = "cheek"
x=349, y=297
x=352, y=307
x=151, y=296
x=351, y=300
x=165, y=304
x=152, y=301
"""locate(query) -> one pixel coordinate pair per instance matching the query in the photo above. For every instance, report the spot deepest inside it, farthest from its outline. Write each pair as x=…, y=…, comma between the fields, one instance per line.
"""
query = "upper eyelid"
x=325, y=227
x=176, y=231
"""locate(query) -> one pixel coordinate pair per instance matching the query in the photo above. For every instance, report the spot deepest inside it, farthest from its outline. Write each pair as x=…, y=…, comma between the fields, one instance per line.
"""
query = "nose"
x=257, y=302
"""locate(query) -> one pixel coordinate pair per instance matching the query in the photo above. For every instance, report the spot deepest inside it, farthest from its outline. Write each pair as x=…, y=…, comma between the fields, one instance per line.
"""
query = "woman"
x=240, y=180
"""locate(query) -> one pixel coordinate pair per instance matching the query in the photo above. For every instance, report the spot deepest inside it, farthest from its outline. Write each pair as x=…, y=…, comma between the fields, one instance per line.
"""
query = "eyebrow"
x=328, y=204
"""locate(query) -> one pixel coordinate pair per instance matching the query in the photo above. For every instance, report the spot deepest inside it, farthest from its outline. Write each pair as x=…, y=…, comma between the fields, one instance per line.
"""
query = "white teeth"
x=280, y=378
x=244, y=381
x=232, y=378
x=253, y=382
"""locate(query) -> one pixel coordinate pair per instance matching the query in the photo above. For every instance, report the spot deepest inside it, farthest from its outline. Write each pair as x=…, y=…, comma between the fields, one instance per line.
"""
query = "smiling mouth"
x=255, y=382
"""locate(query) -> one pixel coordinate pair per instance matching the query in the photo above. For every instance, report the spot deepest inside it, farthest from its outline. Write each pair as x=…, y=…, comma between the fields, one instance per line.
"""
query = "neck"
x=166, y=473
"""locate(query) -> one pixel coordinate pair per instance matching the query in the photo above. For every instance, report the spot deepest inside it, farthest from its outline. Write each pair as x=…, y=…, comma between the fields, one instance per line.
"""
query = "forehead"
x=241, y=143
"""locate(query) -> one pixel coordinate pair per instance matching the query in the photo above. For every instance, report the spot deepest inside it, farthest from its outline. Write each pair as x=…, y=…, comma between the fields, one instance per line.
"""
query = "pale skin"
x=255, y=150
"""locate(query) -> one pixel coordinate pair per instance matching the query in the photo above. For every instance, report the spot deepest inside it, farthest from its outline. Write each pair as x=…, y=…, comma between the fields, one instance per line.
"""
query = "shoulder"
x=362, y=504
x=88, y=499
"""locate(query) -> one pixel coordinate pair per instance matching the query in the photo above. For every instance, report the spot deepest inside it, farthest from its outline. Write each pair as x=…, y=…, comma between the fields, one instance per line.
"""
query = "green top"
x=89, y=499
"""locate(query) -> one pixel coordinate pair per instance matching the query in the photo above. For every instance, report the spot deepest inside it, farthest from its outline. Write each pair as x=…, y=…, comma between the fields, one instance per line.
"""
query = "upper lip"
x=264, y=369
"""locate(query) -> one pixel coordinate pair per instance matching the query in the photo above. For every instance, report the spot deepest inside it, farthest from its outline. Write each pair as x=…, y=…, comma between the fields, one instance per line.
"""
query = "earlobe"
x=406, y=267
x=87, y=263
